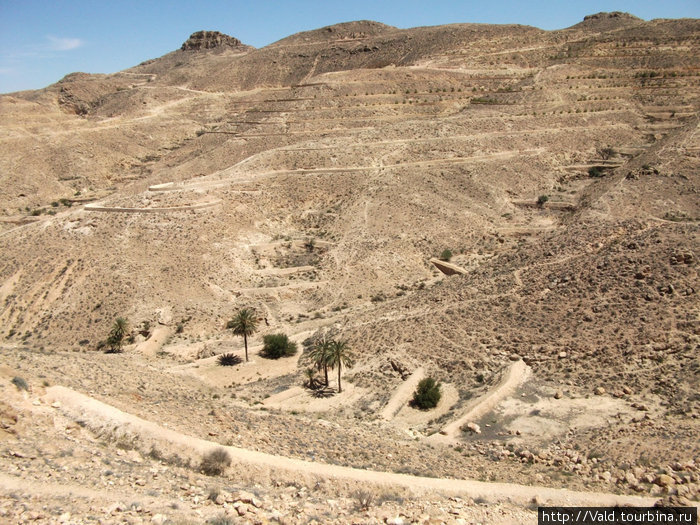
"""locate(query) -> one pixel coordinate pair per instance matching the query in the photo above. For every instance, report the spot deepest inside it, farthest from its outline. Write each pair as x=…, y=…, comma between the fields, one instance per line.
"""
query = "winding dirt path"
x=156, y=341
x=516, y=375
x=96, y=413
x=402, y=394
x=166, y=209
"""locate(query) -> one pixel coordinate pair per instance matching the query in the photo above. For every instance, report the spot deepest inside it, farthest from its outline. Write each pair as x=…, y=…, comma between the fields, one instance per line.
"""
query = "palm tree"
x=311, y=381
x=340, y=355
x=321, y=354
x=245, y=323
x=117, y=334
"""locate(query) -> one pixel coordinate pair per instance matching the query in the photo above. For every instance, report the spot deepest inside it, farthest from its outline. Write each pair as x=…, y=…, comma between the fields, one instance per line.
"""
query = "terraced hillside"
x=314, y=180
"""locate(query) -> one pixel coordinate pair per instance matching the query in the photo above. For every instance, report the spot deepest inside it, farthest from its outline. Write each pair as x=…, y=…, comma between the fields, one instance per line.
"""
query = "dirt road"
x=96, y=413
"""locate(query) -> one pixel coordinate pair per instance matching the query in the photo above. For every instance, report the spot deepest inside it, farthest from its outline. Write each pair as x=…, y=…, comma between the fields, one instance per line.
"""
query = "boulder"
x=664, y=480
x=473, y=427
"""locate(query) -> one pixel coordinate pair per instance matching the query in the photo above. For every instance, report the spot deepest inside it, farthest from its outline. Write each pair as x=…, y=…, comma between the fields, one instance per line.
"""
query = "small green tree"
x=117, y=335
x=277, y=345
x=244, y=324
x=427, y=395
x=446, y=255
x=542, y=200
x=339, y=355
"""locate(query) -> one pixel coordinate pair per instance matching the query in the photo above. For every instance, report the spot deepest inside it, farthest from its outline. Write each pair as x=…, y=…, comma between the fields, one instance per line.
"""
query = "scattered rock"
x=115, y=508
x=473, y=427
x=247, y=497
x=558, y=394
x=664, y=480
x=682, y=258
x=599, y=391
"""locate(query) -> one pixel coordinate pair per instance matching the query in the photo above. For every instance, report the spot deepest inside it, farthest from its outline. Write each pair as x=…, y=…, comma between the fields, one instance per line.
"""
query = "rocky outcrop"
x=613, y=15
x=210, y=40
x=607, y=21
x=448, y=268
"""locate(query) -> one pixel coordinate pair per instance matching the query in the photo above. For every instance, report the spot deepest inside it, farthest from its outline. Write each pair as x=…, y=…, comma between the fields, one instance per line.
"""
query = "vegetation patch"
x=214, y=463
x=278, y=345
x=20, y=383
x=228, y=360
x=427, y=395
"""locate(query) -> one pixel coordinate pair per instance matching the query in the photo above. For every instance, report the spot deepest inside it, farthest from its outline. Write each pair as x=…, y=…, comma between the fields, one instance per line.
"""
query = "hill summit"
x=209, y=40
x=613, y=15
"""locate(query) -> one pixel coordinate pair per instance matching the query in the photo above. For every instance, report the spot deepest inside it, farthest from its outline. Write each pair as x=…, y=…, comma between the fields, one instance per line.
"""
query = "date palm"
x=244, y=324
x=117, y=335
x=321, y=354
x=340, y=356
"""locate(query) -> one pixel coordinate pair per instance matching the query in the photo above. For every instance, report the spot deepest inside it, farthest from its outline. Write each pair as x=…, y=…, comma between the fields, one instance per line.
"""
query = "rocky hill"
x=314, y=180
x=209, y=40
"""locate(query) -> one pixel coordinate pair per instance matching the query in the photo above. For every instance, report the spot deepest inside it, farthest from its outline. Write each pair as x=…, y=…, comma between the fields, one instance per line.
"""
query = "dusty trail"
x=96, y=413
x=50, y=489
x=154, y=343
x=166, y=209
x=516, y=375
x=402, y=394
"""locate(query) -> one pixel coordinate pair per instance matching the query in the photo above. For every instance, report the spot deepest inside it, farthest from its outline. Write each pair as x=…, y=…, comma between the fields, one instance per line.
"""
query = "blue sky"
x=43, y=40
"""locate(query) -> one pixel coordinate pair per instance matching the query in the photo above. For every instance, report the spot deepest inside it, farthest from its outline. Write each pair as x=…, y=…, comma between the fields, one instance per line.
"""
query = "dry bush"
x=214, y=462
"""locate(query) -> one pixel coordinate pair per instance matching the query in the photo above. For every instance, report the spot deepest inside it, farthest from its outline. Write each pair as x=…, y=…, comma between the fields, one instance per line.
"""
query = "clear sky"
x=43, y=40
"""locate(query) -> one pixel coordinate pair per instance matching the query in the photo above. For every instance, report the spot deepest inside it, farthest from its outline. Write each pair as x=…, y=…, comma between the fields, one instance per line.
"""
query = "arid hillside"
x=314, y=180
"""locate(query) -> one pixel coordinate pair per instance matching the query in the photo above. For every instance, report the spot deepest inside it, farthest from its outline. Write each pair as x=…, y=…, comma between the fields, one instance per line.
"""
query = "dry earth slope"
x=314, y=179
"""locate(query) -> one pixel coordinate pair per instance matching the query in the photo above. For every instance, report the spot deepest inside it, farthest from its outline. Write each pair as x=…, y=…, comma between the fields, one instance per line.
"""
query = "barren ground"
x=317, y=181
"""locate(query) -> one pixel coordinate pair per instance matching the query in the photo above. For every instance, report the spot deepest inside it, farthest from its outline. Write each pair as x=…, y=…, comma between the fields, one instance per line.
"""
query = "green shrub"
x=607, y=153
x=20, y=383
x=277, y=345
x=214, y=463
x=542, y=199
x=446, y=255
x=595, y=172
x=427, y=395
